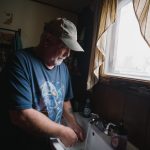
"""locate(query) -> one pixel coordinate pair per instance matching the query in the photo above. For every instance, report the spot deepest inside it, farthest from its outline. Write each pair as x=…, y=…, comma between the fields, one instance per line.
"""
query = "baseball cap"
x=66, y=31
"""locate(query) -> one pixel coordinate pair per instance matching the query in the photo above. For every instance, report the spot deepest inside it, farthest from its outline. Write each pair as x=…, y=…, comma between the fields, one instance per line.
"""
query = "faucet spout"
x=108, y=126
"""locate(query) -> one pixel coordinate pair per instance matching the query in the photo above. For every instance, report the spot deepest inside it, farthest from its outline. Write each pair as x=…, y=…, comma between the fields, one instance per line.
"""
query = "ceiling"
x=74, y=6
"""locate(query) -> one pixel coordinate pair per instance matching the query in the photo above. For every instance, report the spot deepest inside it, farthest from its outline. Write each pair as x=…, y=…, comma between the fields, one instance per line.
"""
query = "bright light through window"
x=133, y=53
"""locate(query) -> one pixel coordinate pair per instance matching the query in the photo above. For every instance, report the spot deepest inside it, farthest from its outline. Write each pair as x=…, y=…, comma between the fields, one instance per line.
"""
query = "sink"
x=95, y=139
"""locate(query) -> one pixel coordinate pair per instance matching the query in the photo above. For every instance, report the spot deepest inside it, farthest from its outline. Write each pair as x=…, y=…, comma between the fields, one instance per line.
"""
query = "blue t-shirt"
x=33, y=85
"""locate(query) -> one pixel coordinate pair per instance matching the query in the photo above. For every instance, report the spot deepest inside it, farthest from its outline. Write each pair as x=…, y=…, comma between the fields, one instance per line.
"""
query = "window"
x=127, y=53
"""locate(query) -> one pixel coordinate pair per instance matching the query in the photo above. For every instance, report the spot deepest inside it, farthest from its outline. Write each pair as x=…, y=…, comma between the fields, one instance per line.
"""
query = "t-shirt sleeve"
x=69, y=92
x=19, y=96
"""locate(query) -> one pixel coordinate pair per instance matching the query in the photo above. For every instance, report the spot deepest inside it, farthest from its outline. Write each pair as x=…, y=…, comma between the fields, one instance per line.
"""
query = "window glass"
x=129, y=54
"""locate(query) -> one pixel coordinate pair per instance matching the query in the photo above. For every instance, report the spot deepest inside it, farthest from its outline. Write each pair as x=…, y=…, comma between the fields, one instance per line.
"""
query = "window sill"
x=133, y=86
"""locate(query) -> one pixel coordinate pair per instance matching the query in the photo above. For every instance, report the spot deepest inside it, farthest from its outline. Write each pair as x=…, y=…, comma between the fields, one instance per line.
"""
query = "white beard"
x=58, y=62
x=55, y=62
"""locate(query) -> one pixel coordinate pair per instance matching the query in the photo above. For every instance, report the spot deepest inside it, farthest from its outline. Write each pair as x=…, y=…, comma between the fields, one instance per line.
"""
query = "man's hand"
x=78, y=130
x=68, y=137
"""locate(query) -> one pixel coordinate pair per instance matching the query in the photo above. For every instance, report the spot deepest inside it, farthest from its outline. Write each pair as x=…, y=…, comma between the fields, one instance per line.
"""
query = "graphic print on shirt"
x=53, y=97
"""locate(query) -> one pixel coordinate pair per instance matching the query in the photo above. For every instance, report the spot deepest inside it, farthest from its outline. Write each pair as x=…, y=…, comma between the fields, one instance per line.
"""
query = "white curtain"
x=142, y=11
x=107, y=17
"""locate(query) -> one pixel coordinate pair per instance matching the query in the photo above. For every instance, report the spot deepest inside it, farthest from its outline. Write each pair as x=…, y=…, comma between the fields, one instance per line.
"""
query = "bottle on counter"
x=87, y=108
x=119, y=138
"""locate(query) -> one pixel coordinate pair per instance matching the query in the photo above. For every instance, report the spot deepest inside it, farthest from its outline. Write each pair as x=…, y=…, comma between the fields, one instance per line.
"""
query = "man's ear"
x=46, y=39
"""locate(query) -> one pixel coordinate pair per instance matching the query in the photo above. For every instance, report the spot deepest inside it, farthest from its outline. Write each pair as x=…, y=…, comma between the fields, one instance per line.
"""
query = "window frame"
x=132, y=85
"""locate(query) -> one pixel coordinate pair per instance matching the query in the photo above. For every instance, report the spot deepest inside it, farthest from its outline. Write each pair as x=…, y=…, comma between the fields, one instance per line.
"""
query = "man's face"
x=55, y=50
x=59, y=57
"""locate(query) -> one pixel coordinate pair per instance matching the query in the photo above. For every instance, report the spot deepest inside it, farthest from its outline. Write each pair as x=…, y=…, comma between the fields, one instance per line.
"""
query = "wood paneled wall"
x=114, y=104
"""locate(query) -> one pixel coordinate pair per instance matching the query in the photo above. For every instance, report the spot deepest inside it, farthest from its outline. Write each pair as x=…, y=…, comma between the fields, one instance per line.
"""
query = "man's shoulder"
x=23, y=54
x=24, y=51
x=20, y=57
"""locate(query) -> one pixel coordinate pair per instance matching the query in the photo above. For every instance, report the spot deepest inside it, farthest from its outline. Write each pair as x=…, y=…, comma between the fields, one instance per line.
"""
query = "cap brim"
x=72, y=44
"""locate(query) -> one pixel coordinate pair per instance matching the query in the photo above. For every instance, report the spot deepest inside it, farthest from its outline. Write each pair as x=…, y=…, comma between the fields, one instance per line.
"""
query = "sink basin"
x=95, y=139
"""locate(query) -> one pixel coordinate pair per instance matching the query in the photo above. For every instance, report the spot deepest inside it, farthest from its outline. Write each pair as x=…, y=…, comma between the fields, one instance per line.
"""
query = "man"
x=39, y=90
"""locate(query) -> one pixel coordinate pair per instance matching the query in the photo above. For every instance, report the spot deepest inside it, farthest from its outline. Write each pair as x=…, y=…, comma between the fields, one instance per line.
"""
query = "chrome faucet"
x=107, y=127
x=94, y=117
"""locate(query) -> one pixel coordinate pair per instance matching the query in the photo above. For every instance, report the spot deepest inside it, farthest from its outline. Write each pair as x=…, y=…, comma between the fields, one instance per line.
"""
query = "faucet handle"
x=94, y=117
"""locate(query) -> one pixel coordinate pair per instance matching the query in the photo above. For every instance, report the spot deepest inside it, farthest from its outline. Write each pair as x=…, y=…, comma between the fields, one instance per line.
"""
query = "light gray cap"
x=66, y=31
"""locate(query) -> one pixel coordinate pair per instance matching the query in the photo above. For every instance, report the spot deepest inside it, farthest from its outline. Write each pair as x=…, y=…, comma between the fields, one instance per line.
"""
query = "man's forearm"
x=71, y=120
x=35, y=122
x=68, y=112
